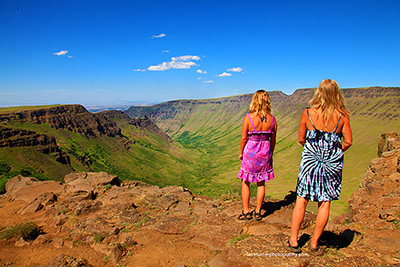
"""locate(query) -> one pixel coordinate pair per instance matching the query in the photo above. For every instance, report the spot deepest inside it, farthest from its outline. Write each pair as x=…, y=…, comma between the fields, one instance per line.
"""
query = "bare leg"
x=245, y=195
x=260, y=195
x=297, y=219
x=320, y=223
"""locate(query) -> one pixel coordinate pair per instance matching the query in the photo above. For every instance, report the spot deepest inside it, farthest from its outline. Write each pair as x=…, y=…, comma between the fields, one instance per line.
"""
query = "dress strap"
x=337, y=122
x=252, y=123
x=311, y=120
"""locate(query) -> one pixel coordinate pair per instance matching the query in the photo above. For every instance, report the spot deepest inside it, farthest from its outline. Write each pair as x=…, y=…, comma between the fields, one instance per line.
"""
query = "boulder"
x=65, y=260
x=19, y=182
x=102, y=178
x=21, y=243
x=41, y=240
x=79, y=185
x=73, y=176
x=29, y=189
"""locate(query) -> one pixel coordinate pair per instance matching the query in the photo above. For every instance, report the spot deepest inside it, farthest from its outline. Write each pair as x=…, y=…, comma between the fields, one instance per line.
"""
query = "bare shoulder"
x=306, y=112
x=345, y=117
x=311, y=111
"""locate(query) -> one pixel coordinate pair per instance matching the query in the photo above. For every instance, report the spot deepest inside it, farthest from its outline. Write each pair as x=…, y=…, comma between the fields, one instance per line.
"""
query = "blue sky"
x=115, y=52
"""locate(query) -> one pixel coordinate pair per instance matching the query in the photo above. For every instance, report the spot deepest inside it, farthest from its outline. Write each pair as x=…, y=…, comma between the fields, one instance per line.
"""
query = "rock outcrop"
x=377, y=201
x=10, y=137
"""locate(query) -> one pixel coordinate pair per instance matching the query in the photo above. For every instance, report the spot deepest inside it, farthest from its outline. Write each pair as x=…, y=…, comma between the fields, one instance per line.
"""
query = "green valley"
x=213, y=127
x=191, y=143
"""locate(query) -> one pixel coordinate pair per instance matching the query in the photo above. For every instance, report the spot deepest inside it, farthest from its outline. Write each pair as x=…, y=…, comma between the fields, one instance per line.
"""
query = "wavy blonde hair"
x=261, y=104
x=328, y=98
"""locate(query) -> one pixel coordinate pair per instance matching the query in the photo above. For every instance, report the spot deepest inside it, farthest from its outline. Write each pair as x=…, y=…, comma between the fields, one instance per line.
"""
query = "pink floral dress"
x=257, y=156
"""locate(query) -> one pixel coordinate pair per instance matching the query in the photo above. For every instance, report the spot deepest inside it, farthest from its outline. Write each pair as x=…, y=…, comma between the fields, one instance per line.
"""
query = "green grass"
x=28, y=231
x=238, y=238
x=23, y=108
x=98, y=238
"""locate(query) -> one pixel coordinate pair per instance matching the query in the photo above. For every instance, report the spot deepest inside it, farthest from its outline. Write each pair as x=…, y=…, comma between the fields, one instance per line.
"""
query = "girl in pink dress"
x=256, y=149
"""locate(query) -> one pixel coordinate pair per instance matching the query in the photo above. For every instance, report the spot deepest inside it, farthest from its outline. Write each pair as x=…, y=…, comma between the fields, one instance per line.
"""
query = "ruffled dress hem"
x=256, y=177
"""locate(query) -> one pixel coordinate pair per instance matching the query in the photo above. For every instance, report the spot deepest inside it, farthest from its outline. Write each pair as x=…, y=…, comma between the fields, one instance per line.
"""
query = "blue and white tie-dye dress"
x=320, y=175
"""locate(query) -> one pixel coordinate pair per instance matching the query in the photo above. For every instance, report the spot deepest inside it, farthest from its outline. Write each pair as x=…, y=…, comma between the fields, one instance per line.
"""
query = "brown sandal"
x=315, y=251
x=245, y=216
x=290, y=248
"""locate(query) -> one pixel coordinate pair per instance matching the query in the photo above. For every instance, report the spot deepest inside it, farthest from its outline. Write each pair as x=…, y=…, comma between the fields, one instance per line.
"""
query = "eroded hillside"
x=50, y=141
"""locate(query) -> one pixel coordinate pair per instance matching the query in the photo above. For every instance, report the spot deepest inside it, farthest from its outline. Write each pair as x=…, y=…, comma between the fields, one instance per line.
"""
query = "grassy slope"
x=213, y=127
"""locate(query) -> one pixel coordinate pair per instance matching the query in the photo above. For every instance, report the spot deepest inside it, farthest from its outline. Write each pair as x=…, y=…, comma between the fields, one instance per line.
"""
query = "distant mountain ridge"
x=74, y=118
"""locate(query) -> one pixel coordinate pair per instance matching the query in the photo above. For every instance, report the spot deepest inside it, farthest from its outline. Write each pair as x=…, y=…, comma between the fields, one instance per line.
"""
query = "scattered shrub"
x=4, y=168
x=98, y=238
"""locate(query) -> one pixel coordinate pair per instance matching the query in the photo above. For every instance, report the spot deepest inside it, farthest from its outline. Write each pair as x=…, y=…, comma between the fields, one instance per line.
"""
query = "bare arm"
x=303, y=128
x=347, y=135
x=273, y=137
x=244, y=138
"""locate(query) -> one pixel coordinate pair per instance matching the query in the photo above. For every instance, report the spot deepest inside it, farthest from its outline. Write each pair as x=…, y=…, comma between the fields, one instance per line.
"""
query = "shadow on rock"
x=303, y=239
x=338, y=241
x=270, y=207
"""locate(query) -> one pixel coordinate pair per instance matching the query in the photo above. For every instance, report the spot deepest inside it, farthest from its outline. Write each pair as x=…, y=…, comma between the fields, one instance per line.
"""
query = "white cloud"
x=185, y=58
x=201, y=71
x=6, y=93
x=138, y=70
x=61, y=53
x=160, y=67
x=165, y=51
x=224, y=74
x=182, y=62
x=159, y=36
x=208, y=81
x=238, y=69
x=199, y=78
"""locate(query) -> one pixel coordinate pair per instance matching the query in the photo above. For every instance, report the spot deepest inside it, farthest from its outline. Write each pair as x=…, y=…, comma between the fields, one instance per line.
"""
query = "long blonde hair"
x=328, y=98
x=261, y=104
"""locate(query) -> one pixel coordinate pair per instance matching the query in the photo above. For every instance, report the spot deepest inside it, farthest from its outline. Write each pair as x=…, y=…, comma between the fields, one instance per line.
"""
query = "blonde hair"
x=261, y=104
x=328, y=98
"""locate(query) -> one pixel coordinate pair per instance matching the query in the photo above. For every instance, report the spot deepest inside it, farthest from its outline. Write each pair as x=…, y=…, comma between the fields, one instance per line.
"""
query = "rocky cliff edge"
x=95, y=219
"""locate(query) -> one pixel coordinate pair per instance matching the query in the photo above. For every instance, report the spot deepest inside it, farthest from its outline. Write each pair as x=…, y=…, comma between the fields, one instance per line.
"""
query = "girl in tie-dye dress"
x=320, y=177
x=257, y=147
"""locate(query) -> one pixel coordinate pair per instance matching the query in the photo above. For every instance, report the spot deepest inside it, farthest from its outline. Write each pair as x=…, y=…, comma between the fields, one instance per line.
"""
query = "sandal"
x=315, y=251
x=245, y=216
x=257, y=216
x=289, y=247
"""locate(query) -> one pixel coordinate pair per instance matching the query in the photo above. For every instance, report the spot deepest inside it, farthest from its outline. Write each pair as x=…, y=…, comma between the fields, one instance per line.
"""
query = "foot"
x=318, y=251
x=257, y=216
x=245, y=216
x=294, y=249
